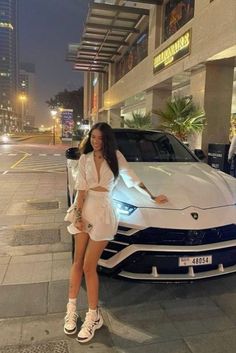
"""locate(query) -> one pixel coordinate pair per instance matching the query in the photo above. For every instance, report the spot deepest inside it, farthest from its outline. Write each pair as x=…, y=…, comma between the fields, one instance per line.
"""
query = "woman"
x=232, y=151
x=96, y=220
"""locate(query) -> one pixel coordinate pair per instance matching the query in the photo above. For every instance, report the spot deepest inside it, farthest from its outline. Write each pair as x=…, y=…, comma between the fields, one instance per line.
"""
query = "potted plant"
x=139, y=121
x=182, y=117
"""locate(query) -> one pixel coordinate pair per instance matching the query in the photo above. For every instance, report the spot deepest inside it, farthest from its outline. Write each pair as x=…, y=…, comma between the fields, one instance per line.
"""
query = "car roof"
x=123, y=129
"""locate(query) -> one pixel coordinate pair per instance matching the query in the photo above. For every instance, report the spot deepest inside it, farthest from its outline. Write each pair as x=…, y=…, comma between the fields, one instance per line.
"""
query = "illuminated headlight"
x=124, y=208
x=5, y=138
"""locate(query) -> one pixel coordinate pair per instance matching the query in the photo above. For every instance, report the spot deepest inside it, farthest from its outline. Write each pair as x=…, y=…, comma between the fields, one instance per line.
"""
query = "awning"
x=106, y=31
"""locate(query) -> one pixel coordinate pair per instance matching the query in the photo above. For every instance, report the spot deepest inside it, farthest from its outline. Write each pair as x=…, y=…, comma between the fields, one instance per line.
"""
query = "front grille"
x=174, y=237
x=142, y=262
x=112, y=248
x=180, y=237
x=124, y=228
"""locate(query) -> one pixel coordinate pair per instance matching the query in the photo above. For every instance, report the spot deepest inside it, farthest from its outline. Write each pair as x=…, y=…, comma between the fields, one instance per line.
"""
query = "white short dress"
x=99, y=213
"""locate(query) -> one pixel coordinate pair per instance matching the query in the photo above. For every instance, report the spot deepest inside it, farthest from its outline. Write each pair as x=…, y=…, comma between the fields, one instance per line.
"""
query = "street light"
x=23, y=99
x=53, y=114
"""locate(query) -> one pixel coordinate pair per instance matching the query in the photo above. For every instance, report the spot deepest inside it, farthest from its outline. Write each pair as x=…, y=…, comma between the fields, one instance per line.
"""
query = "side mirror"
x=200, y=154
x=72, y=153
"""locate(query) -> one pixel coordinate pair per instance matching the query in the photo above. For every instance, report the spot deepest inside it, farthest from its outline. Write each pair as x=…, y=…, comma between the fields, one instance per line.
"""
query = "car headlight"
x=5, y=138
x=124, y=208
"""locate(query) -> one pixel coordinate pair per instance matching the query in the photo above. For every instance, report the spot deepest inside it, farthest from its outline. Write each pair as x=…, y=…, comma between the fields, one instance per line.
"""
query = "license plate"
x=195, y=260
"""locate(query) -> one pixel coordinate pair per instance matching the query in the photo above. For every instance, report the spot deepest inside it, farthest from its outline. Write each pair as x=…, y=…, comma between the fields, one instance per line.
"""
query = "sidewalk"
x=35, y=254
x=35, y=259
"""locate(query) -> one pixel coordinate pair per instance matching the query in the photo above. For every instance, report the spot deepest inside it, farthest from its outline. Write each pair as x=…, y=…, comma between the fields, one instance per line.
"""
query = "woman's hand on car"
x=160, y=199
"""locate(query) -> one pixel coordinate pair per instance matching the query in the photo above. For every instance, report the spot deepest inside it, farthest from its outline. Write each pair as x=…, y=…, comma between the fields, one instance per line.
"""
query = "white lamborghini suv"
x=193, y=236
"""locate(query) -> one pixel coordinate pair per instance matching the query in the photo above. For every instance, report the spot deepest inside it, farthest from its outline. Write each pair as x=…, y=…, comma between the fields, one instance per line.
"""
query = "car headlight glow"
x=124, y=208
x=5, y=138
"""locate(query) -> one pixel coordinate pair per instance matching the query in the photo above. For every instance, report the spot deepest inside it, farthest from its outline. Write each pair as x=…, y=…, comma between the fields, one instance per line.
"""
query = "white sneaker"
x=70, y=325
x=91, y=324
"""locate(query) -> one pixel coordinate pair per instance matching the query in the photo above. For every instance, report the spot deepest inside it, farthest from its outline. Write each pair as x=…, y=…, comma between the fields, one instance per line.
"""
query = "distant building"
x=8, y=64
x=27, y=90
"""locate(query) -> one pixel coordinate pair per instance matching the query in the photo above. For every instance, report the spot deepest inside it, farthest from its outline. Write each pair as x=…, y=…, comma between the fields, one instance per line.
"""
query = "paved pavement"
x=35, y=257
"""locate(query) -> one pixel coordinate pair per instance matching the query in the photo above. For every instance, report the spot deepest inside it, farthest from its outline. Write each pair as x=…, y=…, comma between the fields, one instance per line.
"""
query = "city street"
x=32, y=153
x=35, y=257
x=161, y=76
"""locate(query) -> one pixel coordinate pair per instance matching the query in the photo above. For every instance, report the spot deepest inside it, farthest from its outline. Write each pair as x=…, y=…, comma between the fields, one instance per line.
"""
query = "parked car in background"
x=193, y=236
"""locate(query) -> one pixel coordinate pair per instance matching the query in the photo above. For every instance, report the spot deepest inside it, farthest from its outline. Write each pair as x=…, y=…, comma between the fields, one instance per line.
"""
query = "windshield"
x=148, y=146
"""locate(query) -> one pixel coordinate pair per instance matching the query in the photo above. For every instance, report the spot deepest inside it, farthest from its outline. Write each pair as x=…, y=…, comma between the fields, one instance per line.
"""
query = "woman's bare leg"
x=93, y=252
x=76, y=272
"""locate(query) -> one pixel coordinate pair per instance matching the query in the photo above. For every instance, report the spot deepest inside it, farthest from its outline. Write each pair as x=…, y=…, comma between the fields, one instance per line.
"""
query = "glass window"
x=177, y=13
x=136, y=53
x=127, y=144
x=152, y=147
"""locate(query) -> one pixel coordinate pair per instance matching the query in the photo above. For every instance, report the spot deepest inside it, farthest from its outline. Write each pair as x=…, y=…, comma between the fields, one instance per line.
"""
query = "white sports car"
x=193, y=236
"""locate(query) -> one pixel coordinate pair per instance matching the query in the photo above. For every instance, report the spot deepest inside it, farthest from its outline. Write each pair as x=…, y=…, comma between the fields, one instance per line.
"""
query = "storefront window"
x=177, y=13
x=136, y=53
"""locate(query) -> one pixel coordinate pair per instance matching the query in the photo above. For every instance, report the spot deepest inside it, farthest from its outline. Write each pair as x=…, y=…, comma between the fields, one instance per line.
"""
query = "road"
x=36, y=138
x=32, y=154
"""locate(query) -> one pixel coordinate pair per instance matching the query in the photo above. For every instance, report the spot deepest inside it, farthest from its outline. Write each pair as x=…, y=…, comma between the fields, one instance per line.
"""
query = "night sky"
x=46, y=27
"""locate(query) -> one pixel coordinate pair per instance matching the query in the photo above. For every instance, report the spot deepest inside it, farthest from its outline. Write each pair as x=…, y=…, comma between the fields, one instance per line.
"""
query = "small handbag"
x=71, y=214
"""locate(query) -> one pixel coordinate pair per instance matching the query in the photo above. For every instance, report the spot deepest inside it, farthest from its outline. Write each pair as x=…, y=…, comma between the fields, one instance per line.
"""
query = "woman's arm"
x=81, y=186
x=158, y=199
x=78, y=211
x=132, y=180
x=232, y=149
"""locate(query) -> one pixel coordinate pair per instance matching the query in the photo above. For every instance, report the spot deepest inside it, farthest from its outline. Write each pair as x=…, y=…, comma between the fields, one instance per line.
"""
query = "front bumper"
x=159, y=262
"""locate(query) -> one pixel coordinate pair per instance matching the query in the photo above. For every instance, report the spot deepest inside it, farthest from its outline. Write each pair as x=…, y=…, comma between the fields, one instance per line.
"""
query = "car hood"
x=185, y=184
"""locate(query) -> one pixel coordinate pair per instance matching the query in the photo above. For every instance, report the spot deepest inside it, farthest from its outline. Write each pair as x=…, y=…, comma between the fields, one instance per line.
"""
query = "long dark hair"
x=109, y=146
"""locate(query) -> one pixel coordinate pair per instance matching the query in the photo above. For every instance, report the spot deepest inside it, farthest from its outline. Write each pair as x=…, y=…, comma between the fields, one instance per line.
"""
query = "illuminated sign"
x=67, y=123
x=177, y=50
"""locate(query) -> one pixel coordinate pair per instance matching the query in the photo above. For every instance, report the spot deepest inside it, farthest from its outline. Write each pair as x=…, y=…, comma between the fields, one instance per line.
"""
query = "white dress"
x=99, y=213
x=232, y=149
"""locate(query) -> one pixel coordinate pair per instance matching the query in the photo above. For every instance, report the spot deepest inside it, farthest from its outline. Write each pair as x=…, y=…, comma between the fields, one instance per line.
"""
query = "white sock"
x=93, y=311
x=72, y=301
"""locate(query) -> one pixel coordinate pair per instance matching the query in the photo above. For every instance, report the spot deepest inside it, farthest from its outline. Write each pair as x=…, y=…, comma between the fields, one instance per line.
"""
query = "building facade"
x=27, y=93
x=8, y=65
x=138, y=54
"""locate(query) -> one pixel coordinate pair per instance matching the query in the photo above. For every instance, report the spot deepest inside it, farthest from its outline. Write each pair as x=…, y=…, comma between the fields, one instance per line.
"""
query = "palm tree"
x=232, y=130
x=139, y=121
x=182, y=117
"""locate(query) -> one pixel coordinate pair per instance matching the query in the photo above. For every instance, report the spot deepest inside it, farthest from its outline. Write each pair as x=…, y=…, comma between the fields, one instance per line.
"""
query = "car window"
x=152, y=147
x=128, y=146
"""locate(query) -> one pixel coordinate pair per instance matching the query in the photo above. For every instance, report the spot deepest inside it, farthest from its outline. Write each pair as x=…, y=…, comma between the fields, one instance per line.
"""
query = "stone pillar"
x=90, y=96
x=103, y=116
x=212, y=89
x=100, y=91
x=87, y=98
x=197, y=90
x=156, y=100
x=111, y=75
x=114, y=118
